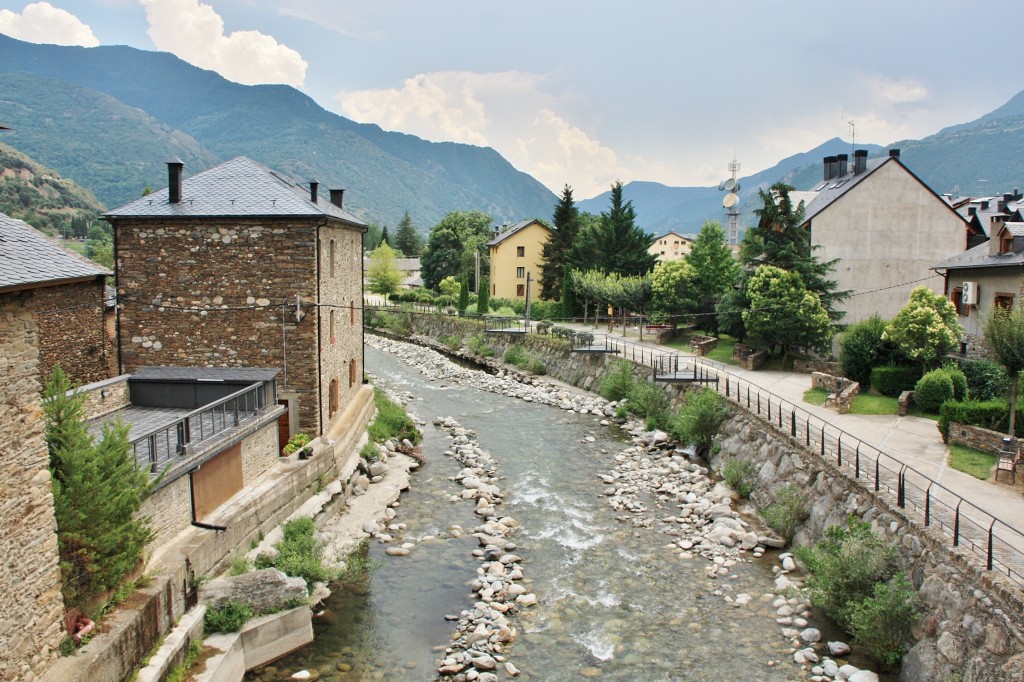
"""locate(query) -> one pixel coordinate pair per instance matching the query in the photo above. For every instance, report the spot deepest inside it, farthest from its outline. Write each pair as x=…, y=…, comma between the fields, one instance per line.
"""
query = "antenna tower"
x=731, y=203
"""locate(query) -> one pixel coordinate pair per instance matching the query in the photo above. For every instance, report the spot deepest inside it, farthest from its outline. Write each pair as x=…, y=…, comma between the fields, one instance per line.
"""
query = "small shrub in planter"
x=892, y=380
x=933, y=389
x=296, y=443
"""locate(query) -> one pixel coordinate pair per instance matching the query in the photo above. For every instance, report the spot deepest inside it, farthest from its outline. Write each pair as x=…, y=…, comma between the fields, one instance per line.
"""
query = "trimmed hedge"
x=933, y=389
x=993, y=415
x=892, y=380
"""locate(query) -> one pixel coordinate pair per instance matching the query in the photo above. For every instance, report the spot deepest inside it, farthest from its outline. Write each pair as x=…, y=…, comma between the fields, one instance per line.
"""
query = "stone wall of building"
x=31, y=607
x=169, y=510
x=341, y=293
x=222, y=295
x=259, y=452
x=73, y=332
x=104, y=397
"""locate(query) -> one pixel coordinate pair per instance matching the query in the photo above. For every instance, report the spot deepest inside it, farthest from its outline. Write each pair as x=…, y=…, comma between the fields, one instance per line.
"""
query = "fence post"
x=769, y=409
x=839, y=450
x=857, y=461
x=792, y=424
x=878, y=458
x=807, y=429
x=901, y=488
x=928, y=505
x=823, y=441
x=956, y=524
x=991, y=526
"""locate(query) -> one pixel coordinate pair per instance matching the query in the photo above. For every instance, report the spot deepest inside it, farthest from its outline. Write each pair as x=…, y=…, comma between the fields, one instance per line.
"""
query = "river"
x=616, y=603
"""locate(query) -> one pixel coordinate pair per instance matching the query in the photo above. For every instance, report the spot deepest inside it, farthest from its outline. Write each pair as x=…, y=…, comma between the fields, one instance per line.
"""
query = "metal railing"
x=155, y=449
x=998, y=545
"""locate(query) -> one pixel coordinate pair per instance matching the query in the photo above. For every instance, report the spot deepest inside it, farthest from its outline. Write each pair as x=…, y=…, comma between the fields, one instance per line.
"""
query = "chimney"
x=860, y=161
x=175, y=168
x=829, y=168
x=841, y=159
x=314, y=188
x=337, y=195
x=984, y=205
x=894, y=153
x=972, y=211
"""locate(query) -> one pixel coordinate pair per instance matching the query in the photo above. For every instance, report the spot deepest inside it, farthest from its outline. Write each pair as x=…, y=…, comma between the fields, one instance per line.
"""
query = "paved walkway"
x=913, y=441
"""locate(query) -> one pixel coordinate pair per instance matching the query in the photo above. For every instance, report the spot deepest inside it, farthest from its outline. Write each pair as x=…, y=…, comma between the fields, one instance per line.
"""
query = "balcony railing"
x=158, y=448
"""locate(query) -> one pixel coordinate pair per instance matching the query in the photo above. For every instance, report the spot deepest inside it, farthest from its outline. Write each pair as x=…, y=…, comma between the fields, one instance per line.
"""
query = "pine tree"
x=407, y=239
x=556, y=249
x=384, y=238
x=620, y=246
x=483, y=297
x=98, y=490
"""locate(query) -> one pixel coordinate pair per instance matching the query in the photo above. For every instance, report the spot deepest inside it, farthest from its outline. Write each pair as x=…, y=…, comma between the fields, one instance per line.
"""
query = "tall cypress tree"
x=407, y=239
x=556, y=249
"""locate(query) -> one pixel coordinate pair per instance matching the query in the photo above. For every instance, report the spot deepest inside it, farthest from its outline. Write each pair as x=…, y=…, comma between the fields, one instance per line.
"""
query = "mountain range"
x=109, y=118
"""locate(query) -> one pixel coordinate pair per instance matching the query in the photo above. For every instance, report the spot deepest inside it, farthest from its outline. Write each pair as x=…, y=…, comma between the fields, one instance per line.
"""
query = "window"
x=520, y=251
x=1003, y=300
x=957, y=297
x=330, y=253
x=333, y=397
x=332, y=327
x=520, y=273
x=520, y=290
x=1006, y=244
x=351, y=313
x=352, y=377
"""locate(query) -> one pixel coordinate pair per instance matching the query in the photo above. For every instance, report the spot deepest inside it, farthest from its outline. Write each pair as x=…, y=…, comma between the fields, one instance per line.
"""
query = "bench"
x=1008, y=461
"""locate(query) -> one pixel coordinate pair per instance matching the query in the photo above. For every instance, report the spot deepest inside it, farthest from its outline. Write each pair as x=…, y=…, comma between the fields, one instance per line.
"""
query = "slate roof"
x=1016, y=229
x=827, y=191
x=246, y=374
x=30, y=258
x=515, y=228
x=671, y=232
x=237, y=188
x=978, y=257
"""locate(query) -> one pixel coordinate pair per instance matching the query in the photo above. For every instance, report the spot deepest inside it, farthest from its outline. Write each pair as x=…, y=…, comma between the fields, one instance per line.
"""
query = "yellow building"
x=516, y=253
x=670, y=246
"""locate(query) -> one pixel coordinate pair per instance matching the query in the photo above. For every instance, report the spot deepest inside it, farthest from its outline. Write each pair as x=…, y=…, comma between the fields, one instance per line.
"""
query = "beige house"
x=887, y=229
x=988, y=275
x=516, y=254
x=670, y=246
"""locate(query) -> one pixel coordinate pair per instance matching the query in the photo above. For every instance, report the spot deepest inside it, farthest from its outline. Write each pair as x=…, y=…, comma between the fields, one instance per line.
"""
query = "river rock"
x=838, y=648
x=264, y=591
x=810, y=635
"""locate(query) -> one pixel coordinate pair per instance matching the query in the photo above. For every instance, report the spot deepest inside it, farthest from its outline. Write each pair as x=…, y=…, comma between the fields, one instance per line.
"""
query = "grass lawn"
x=816, y=396
x=722, y=354
x=970, y=461
x=870, y=403
x=74, y=246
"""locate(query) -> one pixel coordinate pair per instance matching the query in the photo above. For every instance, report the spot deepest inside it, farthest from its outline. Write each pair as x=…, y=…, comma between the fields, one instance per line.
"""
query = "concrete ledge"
x=176, y=644
x=259, y=642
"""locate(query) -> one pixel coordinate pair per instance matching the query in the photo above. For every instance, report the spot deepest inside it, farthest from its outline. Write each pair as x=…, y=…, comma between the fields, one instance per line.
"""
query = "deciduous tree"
x=925, y=329
x=673, y=290
x=783, y=313
x=715, y=269
x=1004, y=334
x=452, y=244
x=383, y=273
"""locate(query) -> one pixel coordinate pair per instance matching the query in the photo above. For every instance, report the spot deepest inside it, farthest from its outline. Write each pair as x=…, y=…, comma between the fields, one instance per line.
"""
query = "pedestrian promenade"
x=902, y=456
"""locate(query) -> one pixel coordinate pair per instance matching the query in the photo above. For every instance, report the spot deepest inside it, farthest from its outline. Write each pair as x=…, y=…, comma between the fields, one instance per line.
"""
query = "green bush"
x=478, y=344
x=787, y=512
x=985, y=379
x=445, y=301
x=891, y=380
x=450, y=341
x=846, y=565
x=881, y=623
x=862, y=348
x=545, y=310
x=618, y=382
x=698, y=418
x=741, y=475
x=299, y=554
x=229, y=617
x=516, y=355
x=648, y=400
x=537, y=367
x=987, y=414
x=500, y=303
x=959, y=382
x=933, y=389
x=295, y=443
x=391, y=421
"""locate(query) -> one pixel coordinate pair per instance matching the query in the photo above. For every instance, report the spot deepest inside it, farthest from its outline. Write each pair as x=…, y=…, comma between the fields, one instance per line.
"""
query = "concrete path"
x=914, y=441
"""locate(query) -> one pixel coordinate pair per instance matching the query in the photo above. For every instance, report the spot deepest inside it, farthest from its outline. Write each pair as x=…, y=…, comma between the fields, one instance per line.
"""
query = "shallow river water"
x=615, y=604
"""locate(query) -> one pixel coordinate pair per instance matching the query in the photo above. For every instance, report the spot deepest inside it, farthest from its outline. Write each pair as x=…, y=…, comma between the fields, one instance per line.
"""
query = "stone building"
x=887, y=229
x=36, y=278
x=238, y=267
x=75, y=328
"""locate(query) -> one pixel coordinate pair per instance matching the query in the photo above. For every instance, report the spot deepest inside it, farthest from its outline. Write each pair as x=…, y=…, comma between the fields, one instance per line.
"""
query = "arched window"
x=332, y=326
x=352, y=313
x=331, y=256
x=352, y=378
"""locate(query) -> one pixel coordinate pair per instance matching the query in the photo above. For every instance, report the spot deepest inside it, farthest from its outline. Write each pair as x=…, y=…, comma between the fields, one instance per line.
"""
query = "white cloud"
x=899, y=92
x=509, y=111
x=195, y=32
x=41, y=22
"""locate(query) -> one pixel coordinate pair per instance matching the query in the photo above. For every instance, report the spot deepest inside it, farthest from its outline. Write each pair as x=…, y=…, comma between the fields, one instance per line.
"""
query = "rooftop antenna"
x=731, y=202
x=853, y=135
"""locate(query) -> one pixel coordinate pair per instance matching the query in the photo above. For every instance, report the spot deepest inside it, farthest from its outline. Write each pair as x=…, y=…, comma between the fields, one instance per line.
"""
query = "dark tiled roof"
x=249, y=374
x=236, y=188
x=827, y=191
x=28, y=257
x=979, y=257
x=515, y=228
x=670, y=232
x=1016, y=229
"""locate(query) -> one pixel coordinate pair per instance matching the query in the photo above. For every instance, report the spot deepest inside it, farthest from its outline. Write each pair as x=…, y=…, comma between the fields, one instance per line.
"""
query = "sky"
x=587, y=92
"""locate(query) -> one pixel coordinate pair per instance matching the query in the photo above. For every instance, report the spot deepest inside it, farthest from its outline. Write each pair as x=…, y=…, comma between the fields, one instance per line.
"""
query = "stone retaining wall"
x=841, y=390
x=976, y=437
x=816, y=365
